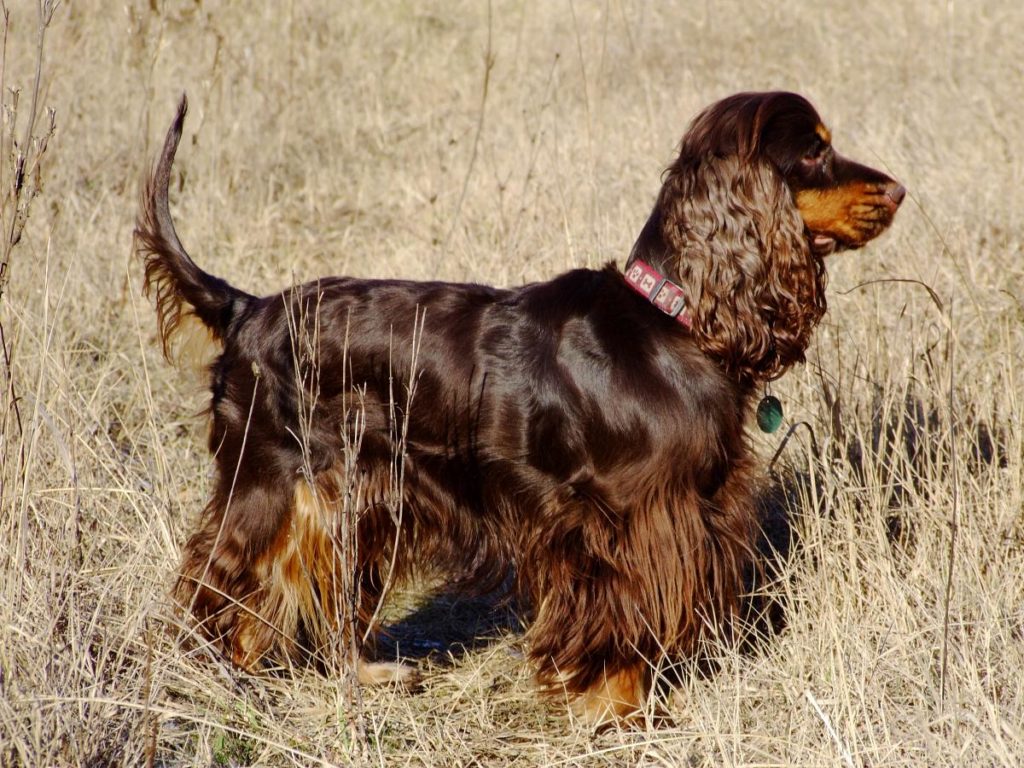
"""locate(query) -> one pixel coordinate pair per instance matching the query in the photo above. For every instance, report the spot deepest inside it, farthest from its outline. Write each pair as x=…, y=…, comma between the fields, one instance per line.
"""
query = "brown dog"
x=587, y=433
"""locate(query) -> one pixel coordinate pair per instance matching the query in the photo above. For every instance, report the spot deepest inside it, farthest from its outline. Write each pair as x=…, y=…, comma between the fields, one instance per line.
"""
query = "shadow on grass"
x=448, y=624
x=886, y=464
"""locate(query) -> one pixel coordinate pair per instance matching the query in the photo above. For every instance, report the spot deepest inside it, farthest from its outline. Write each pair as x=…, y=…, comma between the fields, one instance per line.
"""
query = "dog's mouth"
x=827, y=245
x=847, y=218
x=824, y=245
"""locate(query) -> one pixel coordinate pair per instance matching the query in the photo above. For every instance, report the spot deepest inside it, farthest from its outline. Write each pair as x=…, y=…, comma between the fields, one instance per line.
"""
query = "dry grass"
x=335, y=138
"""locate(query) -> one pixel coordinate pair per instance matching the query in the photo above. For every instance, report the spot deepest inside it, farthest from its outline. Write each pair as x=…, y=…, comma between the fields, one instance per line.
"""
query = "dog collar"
x=659, y=290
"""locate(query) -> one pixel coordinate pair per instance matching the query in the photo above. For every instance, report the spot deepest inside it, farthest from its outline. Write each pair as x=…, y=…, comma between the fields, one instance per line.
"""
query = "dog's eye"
x=814, y=157
x=817, y=157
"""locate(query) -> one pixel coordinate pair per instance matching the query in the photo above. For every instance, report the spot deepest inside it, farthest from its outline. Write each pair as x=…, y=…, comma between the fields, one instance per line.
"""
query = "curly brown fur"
x=742, y=254
x=566, y=430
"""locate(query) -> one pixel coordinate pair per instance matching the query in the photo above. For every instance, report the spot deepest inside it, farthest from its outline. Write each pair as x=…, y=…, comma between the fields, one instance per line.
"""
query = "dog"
x=587, y=434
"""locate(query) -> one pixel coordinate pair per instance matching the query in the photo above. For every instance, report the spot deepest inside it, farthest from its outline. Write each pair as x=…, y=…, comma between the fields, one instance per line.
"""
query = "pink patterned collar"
x=659, y=290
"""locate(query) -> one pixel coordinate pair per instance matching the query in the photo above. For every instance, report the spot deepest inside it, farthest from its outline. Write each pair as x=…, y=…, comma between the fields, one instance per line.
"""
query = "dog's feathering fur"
x=566, y=431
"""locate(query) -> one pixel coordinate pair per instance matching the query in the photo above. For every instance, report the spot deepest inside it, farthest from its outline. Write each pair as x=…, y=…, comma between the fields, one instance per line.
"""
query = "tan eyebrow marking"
x=824, y=133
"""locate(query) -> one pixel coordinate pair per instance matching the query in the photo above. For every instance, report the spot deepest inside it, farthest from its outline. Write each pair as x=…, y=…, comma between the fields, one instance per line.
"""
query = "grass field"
x=504, y=143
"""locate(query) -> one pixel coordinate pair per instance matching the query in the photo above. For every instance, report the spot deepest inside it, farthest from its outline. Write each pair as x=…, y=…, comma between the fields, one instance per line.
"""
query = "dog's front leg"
x=619, y=697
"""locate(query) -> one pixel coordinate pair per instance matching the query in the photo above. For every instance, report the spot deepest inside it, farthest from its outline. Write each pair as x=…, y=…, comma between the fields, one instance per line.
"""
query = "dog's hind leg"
x=334, y=584
x=223, y=580
x=282, y=595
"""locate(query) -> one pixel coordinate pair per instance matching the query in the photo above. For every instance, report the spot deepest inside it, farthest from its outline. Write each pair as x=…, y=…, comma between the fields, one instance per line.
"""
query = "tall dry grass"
x=504, y=143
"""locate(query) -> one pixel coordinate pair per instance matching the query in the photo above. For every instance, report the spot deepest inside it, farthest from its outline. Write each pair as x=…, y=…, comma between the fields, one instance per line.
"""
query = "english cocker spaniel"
x=586, y=434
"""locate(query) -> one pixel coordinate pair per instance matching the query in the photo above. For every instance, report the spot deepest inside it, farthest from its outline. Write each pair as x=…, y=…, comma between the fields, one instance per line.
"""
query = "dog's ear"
x=739, y=250
x=732, y=126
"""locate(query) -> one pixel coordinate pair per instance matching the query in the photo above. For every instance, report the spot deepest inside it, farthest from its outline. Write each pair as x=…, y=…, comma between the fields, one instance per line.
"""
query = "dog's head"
x=754, y=201
x=844, y=204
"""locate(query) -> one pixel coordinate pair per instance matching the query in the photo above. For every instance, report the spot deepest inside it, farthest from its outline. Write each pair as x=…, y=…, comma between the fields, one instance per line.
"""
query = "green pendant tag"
x=769, y=414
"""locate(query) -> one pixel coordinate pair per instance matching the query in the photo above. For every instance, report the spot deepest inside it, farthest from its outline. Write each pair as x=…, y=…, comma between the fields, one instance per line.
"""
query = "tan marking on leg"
x=313, y=563
x=618, y=698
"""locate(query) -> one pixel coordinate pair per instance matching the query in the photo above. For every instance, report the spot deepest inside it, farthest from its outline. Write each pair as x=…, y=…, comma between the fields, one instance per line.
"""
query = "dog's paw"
x=388, y=673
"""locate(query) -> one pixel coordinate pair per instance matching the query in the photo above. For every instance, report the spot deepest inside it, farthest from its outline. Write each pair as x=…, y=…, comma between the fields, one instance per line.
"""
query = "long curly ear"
x=741, y=253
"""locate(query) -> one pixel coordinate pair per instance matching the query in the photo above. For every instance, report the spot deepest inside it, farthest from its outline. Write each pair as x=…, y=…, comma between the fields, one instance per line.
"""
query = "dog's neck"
x=650, y=248
x=651, y=272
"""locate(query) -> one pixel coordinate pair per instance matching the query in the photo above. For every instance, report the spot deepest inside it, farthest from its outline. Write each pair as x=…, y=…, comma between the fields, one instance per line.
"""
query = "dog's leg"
x=387, y=673
x=618, y=697
x=261, y=566
x=222, y=582
x=252, y=600
x=588, y=639
x=616, y=595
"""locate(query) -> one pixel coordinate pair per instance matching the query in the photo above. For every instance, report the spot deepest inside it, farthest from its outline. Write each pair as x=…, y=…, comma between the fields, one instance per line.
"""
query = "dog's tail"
x=181, y=287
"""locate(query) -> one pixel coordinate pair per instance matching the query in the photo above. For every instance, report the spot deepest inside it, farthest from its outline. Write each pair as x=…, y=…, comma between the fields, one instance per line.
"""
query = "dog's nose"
x=896, y=192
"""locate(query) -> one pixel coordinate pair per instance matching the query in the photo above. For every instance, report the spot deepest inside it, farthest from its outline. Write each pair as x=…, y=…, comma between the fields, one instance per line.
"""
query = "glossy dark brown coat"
x=566, y=430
